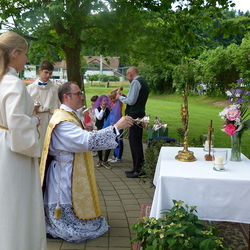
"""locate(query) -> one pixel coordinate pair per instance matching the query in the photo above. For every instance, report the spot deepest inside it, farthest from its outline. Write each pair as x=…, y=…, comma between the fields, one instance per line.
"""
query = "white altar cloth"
x=219, y=196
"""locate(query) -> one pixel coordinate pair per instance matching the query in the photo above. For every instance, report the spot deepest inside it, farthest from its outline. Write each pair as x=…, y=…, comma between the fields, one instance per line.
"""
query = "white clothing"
x=99, y=114
x=67, y=139
x=22, y=222
x=47, y=96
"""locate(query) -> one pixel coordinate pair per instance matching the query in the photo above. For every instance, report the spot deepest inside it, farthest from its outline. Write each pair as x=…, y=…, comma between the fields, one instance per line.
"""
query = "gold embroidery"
x=85, y=199
x=4, y=128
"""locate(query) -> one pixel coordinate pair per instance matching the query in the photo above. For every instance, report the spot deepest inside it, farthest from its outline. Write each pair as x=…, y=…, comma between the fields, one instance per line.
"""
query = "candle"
x=218, y=160
x=206, y=145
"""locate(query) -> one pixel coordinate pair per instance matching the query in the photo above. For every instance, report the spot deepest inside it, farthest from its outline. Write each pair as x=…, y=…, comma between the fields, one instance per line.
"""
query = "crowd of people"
x=46, y=124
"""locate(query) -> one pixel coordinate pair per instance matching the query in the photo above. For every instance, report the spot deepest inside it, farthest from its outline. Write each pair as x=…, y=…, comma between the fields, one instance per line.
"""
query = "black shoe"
x=133, y=175
x=49, y=236
x=129, y=171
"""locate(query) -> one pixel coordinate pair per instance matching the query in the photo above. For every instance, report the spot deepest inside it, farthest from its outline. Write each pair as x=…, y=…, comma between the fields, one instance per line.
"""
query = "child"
x=44, y=93
x=89, y=115
x=114, y=116
x=102, y=110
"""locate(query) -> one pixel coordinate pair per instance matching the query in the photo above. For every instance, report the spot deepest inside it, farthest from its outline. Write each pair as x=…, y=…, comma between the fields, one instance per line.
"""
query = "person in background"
x=44, y=93
x=89, y=115
x=22, y=222
x=102, y=110
x=115, y=115
x=89, y=118
x=71, y=201
x=136, y=102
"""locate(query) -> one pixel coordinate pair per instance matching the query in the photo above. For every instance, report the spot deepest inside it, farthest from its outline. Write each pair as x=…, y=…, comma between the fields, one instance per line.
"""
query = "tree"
x=53, y=23
x=183, y=76
x=242, y=59
x=137, y=30
x=218, y=69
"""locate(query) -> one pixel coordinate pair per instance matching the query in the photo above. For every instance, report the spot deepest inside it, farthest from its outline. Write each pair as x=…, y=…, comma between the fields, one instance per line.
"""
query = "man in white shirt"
x=136, y=102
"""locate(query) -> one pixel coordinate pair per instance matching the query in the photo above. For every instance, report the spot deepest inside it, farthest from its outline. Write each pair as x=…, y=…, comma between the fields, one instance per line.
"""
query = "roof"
x=108, y=62
x=111, y=63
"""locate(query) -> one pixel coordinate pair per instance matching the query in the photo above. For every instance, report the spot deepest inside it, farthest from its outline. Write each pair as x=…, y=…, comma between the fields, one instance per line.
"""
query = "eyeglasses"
x=79, y=93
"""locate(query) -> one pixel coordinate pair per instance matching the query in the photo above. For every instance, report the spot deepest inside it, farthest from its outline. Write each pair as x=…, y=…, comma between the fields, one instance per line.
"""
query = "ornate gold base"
x=185, y=155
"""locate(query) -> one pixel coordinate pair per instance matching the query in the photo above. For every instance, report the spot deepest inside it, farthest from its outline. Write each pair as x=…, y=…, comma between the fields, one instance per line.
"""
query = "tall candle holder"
x=185, y=154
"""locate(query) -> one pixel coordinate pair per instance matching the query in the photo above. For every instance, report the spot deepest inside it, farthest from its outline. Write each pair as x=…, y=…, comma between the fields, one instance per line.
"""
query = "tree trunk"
x=73, y=63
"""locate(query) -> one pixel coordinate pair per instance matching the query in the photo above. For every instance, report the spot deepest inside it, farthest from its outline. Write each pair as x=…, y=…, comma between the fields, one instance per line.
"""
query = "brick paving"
x=120, y=199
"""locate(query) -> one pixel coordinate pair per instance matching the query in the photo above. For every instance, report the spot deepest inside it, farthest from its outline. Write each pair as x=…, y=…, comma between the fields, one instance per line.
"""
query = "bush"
x=151, y=158
x=179, y=229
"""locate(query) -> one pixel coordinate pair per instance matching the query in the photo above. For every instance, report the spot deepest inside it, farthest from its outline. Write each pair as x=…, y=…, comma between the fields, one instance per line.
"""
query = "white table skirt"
x=219, y=196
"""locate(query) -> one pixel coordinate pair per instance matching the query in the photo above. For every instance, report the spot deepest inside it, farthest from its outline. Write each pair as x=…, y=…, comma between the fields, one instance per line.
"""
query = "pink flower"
x=230, y=129
x=233, y=114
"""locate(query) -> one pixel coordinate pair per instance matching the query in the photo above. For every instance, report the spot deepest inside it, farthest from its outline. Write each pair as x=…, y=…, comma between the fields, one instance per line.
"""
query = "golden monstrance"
x=185, y=154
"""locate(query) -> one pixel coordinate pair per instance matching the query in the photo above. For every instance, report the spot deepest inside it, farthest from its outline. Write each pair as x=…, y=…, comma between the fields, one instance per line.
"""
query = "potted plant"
x=179, y=229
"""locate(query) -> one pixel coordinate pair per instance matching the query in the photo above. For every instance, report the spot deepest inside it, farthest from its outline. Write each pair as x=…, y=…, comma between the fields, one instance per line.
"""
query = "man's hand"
x=124, y=122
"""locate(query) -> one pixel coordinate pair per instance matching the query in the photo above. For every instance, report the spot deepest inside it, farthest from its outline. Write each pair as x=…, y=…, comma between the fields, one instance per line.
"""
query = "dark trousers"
x=135, y=143
x=106, y=155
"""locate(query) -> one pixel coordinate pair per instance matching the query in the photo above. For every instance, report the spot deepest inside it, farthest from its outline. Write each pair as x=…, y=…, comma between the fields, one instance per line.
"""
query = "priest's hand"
x=124, y=122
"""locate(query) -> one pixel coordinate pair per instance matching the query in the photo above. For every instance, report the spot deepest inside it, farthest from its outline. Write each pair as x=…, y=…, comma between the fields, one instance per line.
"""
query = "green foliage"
x=164, y=37
x=151, y=158
x=103, y=78
x=179, y=229
x=218, y=69
x=183, y=76
x=159, y=79
x=196, y=142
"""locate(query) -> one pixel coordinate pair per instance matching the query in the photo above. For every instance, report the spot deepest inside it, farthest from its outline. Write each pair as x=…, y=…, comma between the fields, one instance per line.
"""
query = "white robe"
x=22, y=222
x=67, y=139
x=48, y=98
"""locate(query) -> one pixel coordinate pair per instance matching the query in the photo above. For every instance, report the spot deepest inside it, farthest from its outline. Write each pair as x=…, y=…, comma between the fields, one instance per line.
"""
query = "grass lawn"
x=202, y=109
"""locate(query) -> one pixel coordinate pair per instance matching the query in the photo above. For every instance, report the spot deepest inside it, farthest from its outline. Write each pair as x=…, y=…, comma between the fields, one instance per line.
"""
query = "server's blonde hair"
x=9, y=41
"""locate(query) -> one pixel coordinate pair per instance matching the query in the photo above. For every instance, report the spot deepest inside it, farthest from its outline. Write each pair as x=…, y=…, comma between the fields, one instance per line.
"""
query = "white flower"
x=229, y=93
x=240, y=127
x=224, y=112
x=234, y=106
x=237, y=122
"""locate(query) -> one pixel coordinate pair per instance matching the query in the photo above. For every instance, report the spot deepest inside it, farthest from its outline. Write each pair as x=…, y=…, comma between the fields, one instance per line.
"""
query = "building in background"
x=95, y=65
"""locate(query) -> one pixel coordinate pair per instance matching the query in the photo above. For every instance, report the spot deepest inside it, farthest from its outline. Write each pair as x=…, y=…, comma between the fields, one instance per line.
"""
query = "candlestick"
x=185, y=154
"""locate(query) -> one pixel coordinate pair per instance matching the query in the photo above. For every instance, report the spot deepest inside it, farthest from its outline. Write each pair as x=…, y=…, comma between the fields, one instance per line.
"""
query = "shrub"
x=179, y=229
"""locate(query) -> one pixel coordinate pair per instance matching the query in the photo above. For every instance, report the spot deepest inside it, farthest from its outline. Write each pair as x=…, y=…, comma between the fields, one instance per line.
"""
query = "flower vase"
x=236, y=146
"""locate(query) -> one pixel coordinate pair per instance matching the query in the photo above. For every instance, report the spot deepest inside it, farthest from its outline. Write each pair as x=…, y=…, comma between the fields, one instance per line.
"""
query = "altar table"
x=219, y=196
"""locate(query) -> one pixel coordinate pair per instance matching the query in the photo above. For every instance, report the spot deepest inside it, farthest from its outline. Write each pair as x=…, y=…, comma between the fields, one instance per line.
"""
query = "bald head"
x=131, y=73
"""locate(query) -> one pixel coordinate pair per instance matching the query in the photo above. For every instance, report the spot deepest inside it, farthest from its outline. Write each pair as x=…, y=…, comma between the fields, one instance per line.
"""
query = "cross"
x=208, y=157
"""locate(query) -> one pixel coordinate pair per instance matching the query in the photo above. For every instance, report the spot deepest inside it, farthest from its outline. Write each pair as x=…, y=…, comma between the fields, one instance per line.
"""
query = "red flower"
x=230, y=129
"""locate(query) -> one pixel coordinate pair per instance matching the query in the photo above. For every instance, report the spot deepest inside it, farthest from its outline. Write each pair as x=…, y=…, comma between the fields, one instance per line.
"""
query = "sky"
x=243, y=5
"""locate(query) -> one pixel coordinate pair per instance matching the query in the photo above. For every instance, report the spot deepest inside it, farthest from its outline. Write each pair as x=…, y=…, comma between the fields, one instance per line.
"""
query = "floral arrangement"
x=235, y=115
x=180, y=229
